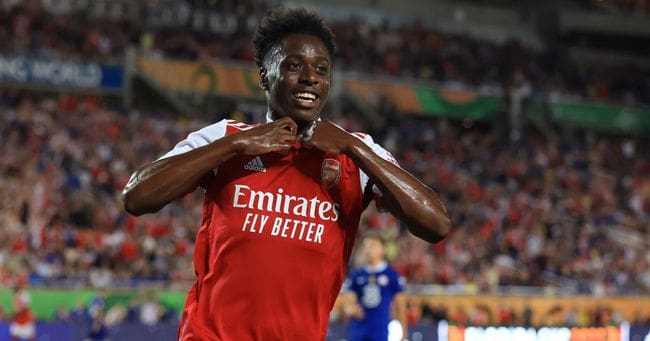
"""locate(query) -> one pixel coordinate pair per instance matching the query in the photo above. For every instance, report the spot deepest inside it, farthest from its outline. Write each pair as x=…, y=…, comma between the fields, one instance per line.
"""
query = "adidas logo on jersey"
x=255, y=165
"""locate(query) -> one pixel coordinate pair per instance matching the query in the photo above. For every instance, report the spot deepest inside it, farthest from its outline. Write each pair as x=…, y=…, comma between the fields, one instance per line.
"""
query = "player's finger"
x=288, y=124
x=286, y=133
x=287, y=138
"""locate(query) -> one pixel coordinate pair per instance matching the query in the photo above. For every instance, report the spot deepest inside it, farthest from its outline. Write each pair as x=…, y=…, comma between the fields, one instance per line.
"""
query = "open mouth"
x=305, y=98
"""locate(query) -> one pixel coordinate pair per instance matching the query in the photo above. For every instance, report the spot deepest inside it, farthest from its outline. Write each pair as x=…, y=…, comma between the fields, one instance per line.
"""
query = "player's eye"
x=322, y=70
x=293, y=66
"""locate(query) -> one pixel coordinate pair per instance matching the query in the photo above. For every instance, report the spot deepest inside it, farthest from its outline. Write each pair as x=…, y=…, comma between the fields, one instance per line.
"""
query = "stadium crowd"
x=627, y=7
x=637, y=7
x=570, y=214
x=68, y=224
x=405, y=50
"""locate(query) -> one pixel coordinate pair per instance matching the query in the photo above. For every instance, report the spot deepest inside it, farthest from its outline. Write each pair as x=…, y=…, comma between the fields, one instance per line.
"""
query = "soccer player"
x=368, y=294
x=282, y=199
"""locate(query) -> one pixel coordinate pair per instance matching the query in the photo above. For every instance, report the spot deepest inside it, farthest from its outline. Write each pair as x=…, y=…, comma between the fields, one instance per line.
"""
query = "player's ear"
x=264, y=79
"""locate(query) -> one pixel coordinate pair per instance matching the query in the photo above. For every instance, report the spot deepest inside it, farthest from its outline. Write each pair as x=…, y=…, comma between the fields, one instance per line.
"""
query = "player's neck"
x=303, y=126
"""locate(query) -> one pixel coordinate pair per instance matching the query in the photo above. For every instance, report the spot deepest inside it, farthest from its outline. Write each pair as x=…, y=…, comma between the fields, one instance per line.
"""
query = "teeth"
x=306, y=96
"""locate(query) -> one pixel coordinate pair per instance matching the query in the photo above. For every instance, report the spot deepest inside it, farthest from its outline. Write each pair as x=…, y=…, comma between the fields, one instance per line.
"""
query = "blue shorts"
x=361, y=334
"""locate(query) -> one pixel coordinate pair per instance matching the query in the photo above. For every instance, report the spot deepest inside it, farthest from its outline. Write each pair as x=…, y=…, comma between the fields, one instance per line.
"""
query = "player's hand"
x=272, y=137
x=353, y=311
x=328, y=137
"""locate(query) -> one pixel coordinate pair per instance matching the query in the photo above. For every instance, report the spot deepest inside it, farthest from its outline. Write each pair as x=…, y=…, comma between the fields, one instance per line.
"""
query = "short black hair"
x=279, y=23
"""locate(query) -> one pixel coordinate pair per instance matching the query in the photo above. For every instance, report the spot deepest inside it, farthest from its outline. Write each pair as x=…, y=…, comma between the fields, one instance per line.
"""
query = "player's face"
x=297, y=78
x=373, y=250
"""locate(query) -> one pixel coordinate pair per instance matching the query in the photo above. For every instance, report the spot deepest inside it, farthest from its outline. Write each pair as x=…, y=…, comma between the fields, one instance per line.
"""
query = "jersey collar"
x=374, y=269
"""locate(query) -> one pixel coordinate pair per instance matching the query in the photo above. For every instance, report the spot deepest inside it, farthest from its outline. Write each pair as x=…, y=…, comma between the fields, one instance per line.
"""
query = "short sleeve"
x=384, y=154
x=398, y=282
x=199, y=138
x=352, y=282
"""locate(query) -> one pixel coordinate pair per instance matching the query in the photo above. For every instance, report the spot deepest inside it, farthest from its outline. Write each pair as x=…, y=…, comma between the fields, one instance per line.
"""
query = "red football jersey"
x=276, y=235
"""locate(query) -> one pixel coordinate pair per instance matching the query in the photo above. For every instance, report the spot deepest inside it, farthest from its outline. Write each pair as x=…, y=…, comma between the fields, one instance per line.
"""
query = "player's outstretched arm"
x=399, y=302
x=159, y=183
x=406, y=197
x=350, y=306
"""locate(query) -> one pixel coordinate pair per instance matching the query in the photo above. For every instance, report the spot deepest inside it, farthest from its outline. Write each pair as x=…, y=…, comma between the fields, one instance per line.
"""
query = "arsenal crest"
x=330, y=174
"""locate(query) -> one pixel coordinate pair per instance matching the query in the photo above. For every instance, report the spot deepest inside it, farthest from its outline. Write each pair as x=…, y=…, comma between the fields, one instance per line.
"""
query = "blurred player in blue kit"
x=368, y=294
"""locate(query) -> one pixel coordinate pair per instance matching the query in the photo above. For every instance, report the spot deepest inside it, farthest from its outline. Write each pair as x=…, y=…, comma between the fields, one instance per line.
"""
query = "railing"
x=548, y=308
x=552, y=289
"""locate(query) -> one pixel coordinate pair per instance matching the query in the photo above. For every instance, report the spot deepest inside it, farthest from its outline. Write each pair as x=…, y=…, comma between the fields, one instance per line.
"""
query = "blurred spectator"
x=97, y=330
x=150, y=311
x=78, y=312
x=639, y=319
x=23, y=323
x=505, y=315
x=434, y=313
x=170, y=315
x=527, y=316
x=97, y=305
x=62, y=314
x=115, y=315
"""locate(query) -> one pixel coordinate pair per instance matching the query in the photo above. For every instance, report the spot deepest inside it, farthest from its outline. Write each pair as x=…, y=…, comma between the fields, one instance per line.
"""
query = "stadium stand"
x=412, y=50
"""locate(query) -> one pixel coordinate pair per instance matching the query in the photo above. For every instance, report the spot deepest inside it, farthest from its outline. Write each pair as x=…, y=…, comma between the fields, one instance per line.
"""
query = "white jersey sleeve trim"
x=383, y=153
x=199, y=138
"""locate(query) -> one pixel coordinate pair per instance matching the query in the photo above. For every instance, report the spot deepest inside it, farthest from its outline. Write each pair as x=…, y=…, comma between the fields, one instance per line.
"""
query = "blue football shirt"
x=375, y=290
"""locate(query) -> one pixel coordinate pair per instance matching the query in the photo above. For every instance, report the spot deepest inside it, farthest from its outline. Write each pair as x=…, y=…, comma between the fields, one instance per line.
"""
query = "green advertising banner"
x=602, y=117
x=457, y=104
x=222, y=79
x=45, y=302
x=241, y=80
x=173, y=299
x=416, y=99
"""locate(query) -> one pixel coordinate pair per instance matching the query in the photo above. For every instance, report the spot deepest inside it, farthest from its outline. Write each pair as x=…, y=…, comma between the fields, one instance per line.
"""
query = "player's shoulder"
x=237, y=125
x=367, y=138
x=393, y=272
x=376, y=147
x=359, y=272
x=356, y=272
x=213, y=132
